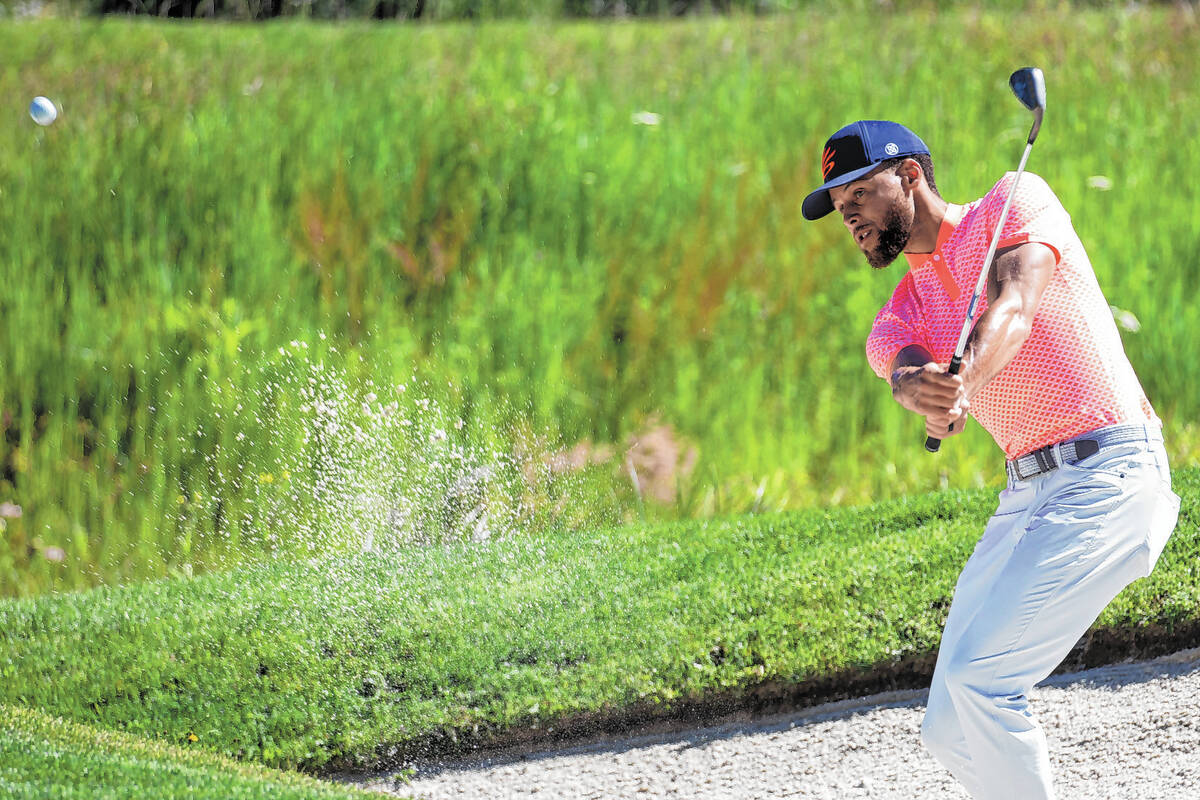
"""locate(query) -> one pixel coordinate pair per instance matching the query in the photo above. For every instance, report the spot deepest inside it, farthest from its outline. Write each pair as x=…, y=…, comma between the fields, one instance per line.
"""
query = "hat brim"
x=818, y=204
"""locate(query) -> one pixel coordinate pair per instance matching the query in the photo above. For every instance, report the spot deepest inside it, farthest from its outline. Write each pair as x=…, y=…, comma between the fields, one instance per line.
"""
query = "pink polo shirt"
x=1071, y=376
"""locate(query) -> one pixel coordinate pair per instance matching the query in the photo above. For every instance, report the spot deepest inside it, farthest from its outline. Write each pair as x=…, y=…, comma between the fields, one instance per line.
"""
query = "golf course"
x=374, y=392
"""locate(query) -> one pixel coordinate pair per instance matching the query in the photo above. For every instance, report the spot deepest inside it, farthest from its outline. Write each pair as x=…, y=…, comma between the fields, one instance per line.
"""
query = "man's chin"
x=879, y=260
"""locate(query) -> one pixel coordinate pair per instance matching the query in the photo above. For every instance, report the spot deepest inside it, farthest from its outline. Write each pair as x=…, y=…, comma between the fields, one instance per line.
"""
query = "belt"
x=1051, y=457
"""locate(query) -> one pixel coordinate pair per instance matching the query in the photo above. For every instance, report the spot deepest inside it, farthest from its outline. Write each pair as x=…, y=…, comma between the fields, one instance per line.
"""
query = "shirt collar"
x=954, y=215
x=917, y=261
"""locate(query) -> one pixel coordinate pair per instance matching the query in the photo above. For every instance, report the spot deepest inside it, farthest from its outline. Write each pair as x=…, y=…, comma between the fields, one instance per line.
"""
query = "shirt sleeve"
x=898, y=325
x=1036, y=214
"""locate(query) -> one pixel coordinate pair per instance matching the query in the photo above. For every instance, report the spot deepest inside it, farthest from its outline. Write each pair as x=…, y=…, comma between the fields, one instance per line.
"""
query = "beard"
x=892, y=239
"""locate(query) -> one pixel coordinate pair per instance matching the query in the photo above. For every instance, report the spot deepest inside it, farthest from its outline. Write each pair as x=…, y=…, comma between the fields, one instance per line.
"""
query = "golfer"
x=1088, y=504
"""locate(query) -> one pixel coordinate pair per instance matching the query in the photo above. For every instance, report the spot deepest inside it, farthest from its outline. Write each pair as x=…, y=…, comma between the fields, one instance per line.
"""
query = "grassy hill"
x=378, y=659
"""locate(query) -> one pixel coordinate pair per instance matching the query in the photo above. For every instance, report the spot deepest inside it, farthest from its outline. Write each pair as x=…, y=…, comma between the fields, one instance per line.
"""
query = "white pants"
x=1058, y=549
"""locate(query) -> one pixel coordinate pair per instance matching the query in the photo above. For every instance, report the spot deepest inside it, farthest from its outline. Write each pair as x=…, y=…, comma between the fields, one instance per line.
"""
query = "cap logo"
x=891, y=149
x=827, y=163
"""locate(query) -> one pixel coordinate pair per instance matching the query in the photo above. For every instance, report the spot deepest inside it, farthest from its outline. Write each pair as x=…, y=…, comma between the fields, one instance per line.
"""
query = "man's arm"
x=1016, y=284
x=1019, y=278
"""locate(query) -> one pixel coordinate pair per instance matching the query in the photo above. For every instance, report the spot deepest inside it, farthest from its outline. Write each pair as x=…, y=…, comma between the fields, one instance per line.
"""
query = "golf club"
x=1030, y=88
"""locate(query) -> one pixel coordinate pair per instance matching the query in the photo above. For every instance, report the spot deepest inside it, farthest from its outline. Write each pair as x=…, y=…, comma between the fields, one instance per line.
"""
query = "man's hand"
x=933, y=393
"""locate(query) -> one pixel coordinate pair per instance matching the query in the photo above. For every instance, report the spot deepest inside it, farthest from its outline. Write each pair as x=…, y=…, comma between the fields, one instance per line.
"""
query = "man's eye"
x=858, y=192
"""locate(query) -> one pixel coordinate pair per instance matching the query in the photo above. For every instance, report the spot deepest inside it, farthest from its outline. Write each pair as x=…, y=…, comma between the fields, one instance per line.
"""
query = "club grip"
x=931, y=444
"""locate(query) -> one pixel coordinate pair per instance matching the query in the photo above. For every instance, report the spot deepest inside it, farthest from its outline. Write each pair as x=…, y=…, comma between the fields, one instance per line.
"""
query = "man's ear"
x=911, y=173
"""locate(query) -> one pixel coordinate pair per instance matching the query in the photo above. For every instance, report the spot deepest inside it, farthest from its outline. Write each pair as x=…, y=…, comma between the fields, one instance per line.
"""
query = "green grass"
x=42, y=756
x=372, y=660
x=487, y=207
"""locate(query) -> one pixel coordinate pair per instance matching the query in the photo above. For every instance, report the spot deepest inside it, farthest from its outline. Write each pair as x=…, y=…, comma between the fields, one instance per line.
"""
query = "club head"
x=1029, y=85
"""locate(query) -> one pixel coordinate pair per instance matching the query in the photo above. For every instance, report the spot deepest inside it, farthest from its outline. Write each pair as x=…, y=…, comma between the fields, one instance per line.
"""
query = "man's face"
x=876, y=212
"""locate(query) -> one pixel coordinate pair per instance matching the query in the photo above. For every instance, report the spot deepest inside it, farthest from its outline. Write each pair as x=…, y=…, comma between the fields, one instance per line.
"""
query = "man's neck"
x=927, y=223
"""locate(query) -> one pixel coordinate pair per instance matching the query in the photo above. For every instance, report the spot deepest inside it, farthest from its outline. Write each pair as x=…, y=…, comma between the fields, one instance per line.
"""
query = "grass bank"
x=585, y=231
x=375, y=660
x=43, y=756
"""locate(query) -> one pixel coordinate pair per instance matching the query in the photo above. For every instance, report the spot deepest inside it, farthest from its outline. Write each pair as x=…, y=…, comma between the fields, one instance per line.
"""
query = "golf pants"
x=1059, y=548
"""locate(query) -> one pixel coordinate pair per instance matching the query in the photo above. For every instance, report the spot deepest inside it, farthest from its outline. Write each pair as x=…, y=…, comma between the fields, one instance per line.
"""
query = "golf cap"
x=854, y=151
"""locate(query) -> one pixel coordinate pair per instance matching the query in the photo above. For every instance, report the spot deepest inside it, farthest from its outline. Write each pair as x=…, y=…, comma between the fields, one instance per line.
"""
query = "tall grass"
x=475, y=10
x=573, y=232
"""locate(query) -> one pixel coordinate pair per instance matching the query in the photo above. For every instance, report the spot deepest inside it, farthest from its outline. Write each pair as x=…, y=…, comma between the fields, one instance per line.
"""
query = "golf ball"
x=43, y=110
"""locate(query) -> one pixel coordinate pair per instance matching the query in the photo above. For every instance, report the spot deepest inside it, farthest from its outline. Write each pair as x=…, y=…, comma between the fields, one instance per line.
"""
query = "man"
x=1088, y=505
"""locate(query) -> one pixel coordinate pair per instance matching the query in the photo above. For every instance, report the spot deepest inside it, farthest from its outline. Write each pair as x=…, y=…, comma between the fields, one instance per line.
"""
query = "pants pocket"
x=1162, y=521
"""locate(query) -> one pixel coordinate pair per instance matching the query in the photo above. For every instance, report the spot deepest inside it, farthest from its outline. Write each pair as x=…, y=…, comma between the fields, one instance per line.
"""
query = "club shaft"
x=932, y=444
x=961, y=347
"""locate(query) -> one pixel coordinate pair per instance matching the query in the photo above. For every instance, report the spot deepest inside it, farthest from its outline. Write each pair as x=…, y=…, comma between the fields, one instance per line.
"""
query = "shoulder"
x=904, y=296
x=906, y=285
x=1032, y=187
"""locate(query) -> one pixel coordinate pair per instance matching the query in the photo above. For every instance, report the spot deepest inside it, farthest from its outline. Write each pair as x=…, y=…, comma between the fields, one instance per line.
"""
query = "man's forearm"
x=910, y=384
x=1015, y=289
x=908, y=358
x=994, y=342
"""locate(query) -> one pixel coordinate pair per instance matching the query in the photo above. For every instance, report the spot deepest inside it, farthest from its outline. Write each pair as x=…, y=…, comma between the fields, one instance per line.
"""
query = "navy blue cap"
x=854, y=151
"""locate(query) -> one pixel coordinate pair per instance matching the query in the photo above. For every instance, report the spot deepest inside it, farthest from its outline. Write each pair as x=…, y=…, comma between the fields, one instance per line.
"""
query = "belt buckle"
x=1045, y=462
